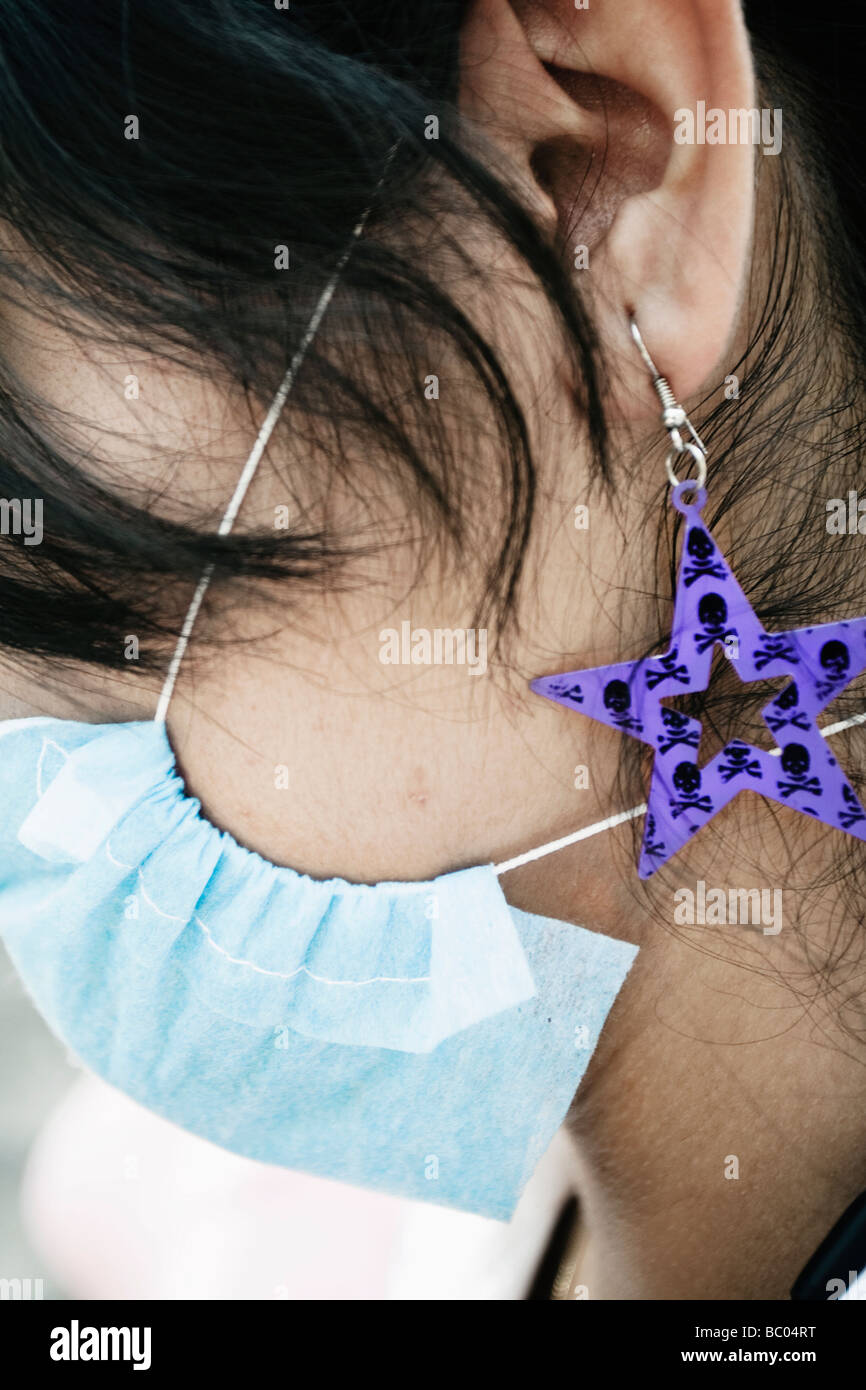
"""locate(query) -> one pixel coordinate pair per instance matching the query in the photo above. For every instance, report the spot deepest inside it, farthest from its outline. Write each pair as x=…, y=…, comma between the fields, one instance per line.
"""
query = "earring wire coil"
x=673, y=418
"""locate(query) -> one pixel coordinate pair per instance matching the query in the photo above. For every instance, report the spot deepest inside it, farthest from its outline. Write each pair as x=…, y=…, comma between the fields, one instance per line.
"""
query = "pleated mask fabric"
x=423, y=1039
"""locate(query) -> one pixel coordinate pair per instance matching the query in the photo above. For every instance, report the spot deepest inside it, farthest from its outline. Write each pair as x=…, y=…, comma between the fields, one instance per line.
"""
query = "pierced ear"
x=584, y=103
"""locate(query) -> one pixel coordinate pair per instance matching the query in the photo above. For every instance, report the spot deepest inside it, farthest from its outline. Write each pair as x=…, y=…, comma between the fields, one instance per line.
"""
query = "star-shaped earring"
x=711, y=610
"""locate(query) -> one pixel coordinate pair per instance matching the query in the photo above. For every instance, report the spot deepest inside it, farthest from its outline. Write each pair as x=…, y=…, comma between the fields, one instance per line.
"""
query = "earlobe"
x=678, y=257
x=588, y=105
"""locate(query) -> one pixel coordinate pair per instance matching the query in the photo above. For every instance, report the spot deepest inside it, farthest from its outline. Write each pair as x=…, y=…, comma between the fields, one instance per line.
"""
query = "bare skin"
x=724, y=1042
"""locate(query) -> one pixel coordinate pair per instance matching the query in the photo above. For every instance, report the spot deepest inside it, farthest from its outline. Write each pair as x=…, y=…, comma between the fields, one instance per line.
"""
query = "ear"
x=586, y=105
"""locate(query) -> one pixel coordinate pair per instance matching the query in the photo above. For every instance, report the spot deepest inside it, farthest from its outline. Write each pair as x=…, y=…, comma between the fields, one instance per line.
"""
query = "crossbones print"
x=672, y=669
x=687, y=779
x=795, y=761
x=774, y=647
x=676, y=731
x=617, y=701
x=567, y=692
x=702, y=550
x=789, y=699
x=853, y=812
x=713, y=613
x=835, y=660
x=652, y=846
x=739, y=761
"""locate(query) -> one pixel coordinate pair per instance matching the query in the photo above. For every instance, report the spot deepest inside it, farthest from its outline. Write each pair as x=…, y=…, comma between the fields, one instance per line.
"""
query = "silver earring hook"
x=673, y=418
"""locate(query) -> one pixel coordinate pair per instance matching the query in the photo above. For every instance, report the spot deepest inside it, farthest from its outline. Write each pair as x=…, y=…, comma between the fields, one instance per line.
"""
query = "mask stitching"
x=46, y=744
x=303, y=969
x=251, y=965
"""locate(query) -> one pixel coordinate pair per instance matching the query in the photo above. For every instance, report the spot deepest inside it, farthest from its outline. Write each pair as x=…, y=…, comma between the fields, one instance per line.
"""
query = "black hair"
x=254, y=128
x=792, y=438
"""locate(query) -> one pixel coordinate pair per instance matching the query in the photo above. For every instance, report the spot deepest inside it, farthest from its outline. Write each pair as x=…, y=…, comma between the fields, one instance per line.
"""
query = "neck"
x=720, y=1130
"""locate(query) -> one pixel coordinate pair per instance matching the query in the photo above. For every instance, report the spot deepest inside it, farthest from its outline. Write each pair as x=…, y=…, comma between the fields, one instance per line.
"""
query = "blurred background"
x=34, y=1074
x=100, y=1199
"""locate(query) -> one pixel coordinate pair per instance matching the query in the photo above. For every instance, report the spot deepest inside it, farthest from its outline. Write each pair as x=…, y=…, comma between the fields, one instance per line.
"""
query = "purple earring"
x=711, y=610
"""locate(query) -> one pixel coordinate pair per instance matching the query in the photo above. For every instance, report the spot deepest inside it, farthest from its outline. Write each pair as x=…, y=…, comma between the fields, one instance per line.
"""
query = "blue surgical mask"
x=424, y=1039
x=421, y=1038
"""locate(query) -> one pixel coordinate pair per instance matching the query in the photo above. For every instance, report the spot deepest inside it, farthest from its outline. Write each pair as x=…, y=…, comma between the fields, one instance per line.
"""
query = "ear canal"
x=623, y=151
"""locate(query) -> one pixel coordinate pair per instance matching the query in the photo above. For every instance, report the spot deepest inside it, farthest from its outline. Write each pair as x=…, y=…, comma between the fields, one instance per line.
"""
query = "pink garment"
x=122, y=1204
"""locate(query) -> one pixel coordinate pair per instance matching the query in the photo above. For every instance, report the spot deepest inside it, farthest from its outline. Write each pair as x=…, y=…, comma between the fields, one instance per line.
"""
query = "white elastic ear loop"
x=622, y=816
x=588, y=831
x=249, y=469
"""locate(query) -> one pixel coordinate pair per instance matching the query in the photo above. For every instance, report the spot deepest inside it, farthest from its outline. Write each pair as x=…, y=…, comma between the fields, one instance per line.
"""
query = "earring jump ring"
x=700, y=459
